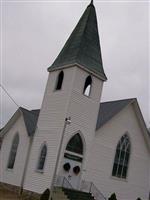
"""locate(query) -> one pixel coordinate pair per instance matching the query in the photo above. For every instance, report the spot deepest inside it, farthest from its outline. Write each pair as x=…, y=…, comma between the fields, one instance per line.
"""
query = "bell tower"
x=74, y=89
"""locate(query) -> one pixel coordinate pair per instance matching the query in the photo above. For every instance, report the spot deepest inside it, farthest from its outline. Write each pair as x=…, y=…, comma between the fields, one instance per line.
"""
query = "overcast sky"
x=34, y=32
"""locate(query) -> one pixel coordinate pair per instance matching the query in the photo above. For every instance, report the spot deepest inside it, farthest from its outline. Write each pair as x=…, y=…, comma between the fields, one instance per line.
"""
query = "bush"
x=45, y=195
x=113, y=197
x=139, y=199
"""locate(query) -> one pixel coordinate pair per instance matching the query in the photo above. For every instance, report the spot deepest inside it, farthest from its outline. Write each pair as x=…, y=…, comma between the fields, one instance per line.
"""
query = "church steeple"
x=83, y=46
x=91, y=2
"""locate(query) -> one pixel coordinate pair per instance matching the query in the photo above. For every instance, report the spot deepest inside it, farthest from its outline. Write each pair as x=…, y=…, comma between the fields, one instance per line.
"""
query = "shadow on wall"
x=113, y=197
x=45, y=195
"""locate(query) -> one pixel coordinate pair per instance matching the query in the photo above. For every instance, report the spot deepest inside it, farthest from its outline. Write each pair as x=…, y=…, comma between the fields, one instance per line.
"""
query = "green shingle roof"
x=83, y=45
x=30, y=119
x=109, y=109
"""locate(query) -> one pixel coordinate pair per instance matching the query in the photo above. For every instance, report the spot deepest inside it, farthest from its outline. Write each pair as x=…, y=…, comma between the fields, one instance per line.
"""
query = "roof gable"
x=10, y=123
x=30, y=120
x=109, y=109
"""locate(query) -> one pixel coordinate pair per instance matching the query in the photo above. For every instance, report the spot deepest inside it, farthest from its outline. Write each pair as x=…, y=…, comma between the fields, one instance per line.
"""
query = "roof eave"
x=142, y=123
x=132, y=100
x=10, y=122
x=29, y=132
x=98, y=75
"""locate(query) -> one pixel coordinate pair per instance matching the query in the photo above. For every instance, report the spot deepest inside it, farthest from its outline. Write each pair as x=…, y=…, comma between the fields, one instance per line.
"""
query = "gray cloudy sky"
x=34, y=32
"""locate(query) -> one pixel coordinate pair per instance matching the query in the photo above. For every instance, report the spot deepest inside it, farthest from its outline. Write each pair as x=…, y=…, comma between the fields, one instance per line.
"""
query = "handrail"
x=62, y=181
x=87, y=186
x=67, y=184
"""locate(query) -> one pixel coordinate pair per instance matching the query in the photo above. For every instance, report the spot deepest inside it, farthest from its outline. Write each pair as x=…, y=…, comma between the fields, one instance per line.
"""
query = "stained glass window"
x=42, y=157
x=122, y=155
x=13, y=152
x=75, y=144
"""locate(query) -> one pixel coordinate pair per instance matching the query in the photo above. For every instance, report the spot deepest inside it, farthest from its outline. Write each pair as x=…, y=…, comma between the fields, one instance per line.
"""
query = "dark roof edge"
x=142, y=123
x=30, y=120
x=99, y=75
x=132, y=99
x=10, y=122
x=129, y=101
x=15, y=116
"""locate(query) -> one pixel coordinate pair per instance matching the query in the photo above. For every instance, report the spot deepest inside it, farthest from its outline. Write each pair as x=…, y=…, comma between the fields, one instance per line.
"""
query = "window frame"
x=39, y=156
x=70, y=140
x=15, y=137
x=57, y=81
x=118, y=163
x=85, y=88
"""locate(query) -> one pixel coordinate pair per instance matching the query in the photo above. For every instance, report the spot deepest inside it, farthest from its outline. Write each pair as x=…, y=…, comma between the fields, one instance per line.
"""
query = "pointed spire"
x=91, y=2
x=83, y=46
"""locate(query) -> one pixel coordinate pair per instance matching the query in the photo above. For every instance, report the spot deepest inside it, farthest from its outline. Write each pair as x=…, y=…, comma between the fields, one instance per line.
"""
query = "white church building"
x=104, y=146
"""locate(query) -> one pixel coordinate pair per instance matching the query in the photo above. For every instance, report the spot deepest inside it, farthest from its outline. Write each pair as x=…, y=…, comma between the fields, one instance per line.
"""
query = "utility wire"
x=14, y=101
x=9, y=95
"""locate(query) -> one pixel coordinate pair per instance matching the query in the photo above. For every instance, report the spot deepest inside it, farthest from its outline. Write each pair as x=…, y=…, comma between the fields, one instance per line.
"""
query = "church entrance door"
x=72, y=161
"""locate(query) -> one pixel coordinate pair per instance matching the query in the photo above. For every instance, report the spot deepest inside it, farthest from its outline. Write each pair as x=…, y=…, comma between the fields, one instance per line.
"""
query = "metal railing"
x=61, y=181
x=89, y=187
x=85, y=186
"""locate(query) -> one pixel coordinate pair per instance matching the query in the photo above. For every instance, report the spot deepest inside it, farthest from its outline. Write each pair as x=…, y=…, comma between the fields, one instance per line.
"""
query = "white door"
x=71, y=170
x=73, y=174
x=72, y=161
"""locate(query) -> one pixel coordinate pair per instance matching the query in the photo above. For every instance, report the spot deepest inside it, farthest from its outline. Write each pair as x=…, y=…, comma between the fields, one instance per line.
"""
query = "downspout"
x=26, y=165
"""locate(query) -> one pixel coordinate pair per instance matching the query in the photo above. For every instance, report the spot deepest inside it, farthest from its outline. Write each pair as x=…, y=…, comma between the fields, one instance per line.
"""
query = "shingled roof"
x=109, y=109
x=30, y=119
x=83, y=45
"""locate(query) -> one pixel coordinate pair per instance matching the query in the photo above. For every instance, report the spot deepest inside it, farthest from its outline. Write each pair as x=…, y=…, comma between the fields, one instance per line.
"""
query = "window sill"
x=119, y=179
x=39, y=171
x=87, y=96
x=9, y=169
x=57, y=90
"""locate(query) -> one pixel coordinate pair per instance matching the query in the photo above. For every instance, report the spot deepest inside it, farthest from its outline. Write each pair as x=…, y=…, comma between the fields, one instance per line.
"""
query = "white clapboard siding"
x=57, y=105
x=100, y=161
x=14, y=176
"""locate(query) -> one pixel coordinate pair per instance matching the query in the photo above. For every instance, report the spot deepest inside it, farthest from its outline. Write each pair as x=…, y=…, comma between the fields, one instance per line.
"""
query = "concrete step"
x=59, y=194
x=77, y=195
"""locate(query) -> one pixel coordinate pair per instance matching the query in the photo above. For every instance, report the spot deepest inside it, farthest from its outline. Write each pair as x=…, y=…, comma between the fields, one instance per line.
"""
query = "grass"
x=7, y=195
x=10, y=195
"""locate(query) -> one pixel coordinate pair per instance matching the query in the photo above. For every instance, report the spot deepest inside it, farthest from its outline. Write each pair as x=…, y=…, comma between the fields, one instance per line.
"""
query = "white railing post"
x=91, y=188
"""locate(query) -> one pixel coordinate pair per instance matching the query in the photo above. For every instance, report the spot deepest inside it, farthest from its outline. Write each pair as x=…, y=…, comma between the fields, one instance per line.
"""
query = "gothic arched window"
x=87, y=86
x=59, y=81
x=122, y=156
x=42, y=157
x=13, y=151
x=75, y=144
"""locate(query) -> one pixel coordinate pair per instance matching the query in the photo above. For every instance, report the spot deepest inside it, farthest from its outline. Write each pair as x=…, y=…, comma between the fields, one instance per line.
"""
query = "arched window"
x=13, y=151
x=42, y=157
x=75, y=144
x=122, y=155
x=87, y=86
x=59, y=80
